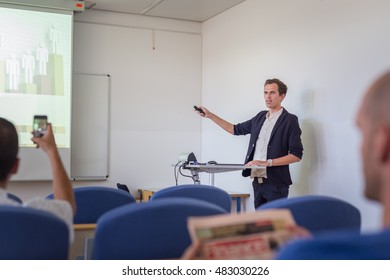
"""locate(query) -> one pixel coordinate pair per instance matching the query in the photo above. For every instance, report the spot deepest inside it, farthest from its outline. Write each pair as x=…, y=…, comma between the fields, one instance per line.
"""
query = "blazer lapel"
x=259, y=126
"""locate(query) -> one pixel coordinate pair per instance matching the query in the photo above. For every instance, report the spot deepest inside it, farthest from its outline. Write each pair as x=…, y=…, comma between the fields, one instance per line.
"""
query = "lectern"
x=213, y=168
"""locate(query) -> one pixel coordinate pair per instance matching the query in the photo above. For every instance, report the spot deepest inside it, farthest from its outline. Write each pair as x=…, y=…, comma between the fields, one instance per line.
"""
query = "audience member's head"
x=8, y=150
x=373, y=120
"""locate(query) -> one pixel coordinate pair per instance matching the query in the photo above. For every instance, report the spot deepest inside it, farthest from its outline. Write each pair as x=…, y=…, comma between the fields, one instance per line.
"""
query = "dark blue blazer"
x=285, y=139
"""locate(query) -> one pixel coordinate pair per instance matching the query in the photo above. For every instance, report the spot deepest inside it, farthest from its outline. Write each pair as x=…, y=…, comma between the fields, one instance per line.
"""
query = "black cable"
x=178, y=171
x=175, y=173
x=182, y=173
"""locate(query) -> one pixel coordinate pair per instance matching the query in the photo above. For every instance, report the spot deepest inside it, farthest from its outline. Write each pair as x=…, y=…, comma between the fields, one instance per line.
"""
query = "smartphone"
x=198, y=109
x=39, y=125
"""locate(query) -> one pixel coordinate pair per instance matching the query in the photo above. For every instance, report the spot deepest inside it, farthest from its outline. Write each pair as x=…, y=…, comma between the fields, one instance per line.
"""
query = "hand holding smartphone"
x=199, y=109
x=39, y=125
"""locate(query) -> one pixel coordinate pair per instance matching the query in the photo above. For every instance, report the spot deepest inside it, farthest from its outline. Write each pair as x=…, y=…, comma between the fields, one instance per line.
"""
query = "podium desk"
x=238, y=198
x=212, y=168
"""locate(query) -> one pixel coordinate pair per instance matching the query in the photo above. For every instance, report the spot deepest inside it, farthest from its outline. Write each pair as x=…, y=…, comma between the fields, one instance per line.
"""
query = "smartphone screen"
x=39, y=125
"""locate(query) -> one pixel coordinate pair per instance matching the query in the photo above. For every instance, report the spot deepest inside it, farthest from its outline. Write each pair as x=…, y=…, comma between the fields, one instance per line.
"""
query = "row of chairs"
x=154, y=230
x=163, y=234
x=169, y=217
x=92, y=203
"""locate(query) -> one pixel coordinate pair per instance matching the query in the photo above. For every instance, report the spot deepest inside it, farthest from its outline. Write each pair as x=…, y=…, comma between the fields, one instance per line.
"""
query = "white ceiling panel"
x=198, y=10
x=195, y=10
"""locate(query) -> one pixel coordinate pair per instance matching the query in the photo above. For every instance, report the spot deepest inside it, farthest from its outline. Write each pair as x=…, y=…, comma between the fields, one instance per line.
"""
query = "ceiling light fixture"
x=150, y=7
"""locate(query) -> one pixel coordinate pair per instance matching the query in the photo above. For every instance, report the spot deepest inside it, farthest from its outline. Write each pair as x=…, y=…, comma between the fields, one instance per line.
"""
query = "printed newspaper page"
x=251, y=235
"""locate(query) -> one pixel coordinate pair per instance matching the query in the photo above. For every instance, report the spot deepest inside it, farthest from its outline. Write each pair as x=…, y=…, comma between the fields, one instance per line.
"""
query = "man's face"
x=369, y=160
x=271, y=96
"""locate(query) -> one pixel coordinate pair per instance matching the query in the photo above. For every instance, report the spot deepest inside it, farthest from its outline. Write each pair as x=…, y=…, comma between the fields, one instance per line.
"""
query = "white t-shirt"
x=60, y=208
x=263, y=140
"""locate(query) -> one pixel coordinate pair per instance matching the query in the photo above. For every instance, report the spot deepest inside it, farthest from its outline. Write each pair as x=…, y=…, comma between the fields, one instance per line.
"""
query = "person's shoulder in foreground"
x=63, y=205
x=339, y=246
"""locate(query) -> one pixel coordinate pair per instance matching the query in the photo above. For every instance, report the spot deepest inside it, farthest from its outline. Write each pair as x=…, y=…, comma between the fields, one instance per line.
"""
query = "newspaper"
x=250, y=235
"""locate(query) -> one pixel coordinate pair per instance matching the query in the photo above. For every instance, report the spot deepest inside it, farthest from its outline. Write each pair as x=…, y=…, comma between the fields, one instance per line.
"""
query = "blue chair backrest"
x=319, y=213
x=94, y=201
x=151, y=230
x=31, y=234
x=340, y=245
x=203, y=192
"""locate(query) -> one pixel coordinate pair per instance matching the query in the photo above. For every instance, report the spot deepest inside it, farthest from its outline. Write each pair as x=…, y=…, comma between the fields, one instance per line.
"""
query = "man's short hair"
x=282, y=88
x=9, y=147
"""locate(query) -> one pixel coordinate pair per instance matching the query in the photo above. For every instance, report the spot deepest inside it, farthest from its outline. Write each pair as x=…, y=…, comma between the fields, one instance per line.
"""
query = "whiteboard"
x=90, y=127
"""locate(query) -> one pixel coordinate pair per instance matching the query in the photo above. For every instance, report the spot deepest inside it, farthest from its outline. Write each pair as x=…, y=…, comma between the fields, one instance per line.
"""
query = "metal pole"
x=211, y=179
x=195, y=176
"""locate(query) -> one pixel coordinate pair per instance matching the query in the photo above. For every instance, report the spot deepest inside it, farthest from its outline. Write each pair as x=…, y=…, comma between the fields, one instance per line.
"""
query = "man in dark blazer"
x=275, y=142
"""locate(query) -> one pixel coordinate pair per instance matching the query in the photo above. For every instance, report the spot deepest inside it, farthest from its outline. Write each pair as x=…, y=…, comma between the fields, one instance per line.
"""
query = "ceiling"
x=194, y=10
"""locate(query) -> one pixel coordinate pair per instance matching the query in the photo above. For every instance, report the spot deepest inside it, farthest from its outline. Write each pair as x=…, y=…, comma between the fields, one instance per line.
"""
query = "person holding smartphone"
x=63, y=205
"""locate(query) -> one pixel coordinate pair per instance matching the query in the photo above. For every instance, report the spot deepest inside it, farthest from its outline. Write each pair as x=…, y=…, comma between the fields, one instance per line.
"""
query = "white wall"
x=327, y=52
x=153, y=91
x=155, y=70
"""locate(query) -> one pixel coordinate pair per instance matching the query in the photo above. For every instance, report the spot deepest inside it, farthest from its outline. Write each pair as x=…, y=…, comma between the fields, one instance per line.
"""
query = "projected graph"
x=35, y=70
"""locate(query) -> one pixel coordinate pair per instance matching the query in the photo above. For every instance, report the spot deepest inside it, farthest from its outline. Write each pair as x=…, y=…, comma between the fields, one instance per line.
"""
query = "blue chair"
x=31, y=234
x=94, y=201
x=203, y=192
x=152, y=230
x=319, y=213
x=14, y=197
x=340, y=245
